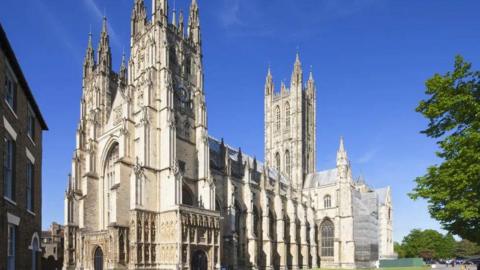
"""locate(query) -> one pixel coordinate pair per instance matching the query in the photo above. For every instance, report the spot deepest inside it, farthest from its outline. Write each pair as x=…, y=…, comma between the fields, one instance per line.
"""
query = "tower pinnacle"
x=104, y=51
x=269, y=83
x=89, y=61
x=297, y=75
x=194, y=23
x=342, y=158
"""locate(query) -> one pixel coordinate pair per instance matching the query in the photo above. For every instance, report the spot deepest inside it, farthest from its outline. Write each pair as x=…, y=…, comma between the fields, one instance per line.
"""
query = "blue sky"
x=370, y=59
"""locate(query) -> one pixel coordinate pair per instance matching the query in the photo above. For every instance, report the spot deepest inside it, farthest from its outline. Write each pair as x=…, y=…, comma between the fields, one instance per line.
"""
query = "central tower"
x=290, y=126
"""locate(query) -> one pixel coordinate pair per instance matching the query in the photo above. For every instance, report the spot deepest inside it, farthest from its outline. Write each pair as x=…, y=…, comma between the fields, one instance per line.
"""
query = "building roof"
x=8, y=51
x=323, y=178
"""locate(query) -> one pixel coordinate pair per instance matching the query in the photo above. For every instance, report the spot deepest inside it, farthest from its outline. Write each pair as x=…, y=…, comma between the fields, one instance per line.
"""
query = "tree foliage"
x=452, y=188
x=428, y=244
x=465, y=249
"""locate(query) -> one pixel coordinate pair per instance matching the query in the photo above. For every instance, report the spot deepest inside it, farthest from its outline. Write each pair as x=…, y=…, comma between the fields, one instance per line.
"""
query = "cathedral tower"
x=142, y=155
x=290, y=125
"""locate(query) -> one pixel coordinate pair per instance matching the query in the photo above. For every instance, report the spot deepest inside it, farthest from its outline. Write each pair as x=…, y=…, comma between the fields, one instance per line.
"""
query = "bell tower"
x=290, y=125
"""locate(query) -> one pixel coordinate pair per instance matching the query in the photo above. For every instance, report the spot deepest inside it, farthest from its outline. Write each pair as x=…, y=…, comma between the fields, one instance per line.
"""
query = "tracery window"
x=277, y=161
x=277, y=118
x=287, y=115
x=256, y=222
x=288, y=167
x=327, y=233
x=109, y=179
x=272, y=225
x=187, y=196
x=327, y=201
x=138, y=189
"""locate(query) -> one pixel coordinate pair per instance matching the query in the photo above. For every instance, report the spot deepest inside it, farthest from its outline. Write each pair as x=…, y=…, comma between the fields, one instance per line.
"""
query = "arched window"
x=327, y=233
x=272, y=225
x=256, y=222
x=110, y=181
x=287, y=115
x=70, y=210
x=138, y=189
x=277, y=118
x=238, y=218
x=327, y=201
x=288, y=168
x=277, y=161
x=187, y=196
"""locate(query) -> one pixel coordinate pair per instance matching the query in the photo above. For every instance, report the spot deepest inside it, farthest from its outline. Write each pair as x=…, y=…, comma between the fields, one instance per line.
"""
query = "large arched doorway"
x=199, y=260
x=98, y=259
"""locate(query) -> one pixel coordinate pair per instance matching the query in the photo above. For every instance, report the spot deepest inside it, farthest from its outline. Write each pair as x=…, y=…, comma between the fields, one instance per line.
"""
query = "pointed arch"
x=272, y=225
x=288, y=165
x=277, y=161
x=98, y=258
x=109, y=180
x=277, y=118
x=187, y=196
x=327, y=201
x=287, y=115
x=327, y=234
x=257, y=222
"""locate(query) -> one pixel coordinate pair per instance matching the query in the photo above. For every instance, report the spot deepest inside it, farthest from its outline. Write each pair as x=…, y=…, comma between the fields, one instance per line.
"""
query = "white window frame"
x=10, y=76
x=11, y=246
x=8, y=184
x=30, y=177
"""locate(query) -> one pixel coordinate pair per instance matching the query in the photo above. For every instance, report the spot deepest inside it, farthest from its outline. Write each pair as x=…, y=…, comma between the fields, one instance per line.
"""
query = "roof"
x=322, y=178
x=8, y=51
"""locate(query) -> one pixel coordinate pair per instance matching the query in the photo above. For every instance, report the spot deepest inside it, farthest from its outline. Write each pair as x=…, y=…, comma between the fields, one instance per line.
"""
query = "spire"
x=310, y=75
x=89, y=61
x=104, y=25
x=342, y=158
x=194, y=23
x=90, y=45
x=297, y=75
x=269, y=83
x=123, y=68
x=104, y=51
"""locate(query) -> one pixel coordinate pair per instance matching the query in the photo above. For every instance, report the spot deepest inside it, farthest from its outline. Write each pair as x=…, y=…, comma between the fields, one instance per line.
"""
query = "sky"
x=370, y=59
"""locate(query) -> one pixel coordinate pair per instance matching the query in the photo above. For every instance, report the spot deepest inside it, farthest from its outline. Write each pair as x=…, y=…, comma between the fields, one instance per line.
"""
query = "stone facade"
x=21, y=127
x=150, y=189
x=52, y=242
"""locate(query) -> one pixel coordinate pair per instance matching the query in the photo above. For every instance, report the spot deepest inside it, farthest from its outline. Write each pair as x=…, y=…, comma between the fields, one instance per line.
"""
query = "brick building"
x=21, y=127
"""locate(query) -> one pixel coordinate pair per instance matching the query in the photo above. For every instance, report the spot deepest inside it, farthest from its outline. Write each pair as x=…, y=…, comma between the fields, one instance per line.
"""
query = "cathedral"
x=150, y=188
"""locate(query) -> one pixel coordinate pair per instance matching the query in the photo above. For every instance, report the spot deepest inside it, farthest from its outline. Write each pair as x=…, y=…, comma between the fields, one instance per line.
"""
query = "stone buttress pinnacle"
x=104, y=51
x=297, y=72
x=342, y=158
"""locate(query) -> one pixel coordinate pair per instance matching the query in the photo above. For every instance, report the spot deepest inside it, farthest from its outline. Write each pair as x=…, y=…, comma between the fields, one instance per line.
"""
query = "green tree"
x=428, y=244
x=452, y=188
x=465, y=248
x=398, y=248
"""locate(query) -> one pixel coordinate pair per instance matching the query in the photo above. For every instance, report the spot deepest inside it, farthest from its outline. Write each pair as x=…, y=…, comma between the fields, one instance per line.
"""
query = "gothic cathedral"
x=150, y=189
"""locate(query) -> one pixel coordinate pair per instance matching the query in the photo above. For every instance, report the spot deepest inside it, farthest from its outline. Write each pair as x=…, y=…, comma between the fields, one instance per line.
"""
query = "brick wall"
x=30, y=221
